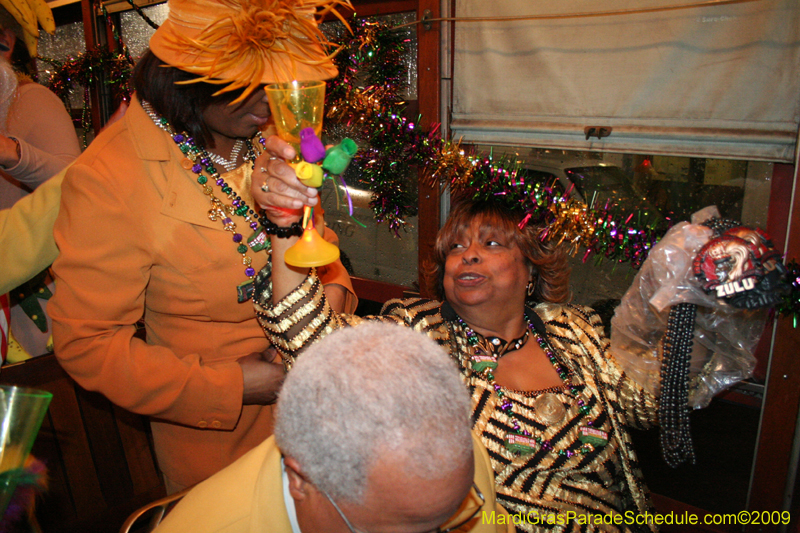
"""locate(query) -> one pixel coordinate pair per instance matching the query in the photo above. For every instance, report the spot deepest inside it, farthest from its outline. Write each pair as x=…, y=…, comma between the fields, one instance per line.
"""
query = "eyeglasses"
x=454, y=523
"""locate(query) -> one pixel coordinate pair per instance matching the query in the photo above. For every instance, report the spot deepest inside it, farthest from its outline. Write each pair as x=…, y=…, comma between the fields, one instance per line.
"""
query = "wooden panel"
x=780, y=204
x=783, y=386
x=66, y=435
x=92, y=40
x=374, y=8
x=138, y=450
x=377, y=291
x=100, y=460
x=115, y=6
x=429, y=91
x=106, y=448
x=369, y=8
x=58, y=498
x=76, y=455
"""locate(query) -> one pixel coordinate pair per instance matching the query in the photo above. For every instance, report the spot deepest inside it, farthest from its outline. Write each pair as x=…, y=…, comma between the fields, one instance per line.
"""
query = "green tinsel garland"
x=364, y=103
x=112, y=69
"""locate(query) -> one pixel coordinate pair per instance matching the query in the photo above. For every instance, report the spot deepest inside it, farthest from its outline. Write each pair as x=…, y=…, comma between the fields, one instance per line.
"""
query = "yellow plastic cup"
x=296, y=105
x=311, y=250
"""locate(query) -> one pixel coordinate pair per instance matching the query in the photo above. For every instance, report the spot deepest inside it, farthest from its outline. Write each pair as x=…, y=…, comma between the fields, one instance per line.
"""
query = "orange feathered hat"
x=245, y=43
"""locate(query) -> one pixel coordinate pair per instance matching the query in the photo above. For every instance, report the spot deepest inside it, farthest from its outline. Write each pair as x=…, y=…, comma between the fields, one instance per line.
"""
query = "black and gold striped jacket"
x=553, y=489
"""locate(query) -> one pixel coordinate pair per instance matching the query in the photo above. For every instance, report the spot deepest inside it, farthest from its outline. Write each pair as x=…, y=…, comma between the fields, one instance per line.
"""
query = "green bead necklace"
x=522, y=441
x=199, y=162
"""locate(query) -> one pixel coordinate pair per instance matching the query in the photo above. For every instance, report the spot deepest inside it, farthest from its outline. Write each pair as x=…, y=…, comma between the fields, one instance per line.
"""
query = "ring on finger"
x=264, y=169
x=265, y=187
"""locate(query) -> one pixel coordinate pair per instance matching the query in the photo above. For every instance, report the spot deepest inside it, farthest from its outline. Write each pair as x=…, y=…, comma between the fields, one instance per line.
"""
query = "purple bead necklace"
x=198, y=161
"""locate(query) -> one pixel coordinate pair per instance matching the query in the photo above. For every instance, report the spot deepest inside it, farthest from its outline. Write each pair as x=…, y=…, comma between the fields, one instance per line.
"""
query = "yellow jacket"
x=247, y=497
x=26, y=234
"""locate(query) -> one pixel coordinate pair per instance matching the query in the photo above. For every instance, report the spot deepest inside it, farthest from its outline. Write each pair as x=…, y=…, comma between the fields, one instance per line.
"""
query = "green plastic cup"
x=22, y=411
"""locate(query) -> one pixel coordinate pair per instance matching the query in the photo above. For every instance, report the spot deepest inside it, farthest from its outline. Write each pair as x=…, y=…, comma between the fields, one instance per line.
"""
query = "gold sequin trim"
x=295, y=296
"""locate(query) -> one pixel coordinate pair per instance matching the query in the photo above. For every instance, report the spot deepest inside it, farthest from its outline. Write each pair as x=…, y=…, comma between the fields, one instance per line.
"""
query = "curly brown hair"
x=548, y=261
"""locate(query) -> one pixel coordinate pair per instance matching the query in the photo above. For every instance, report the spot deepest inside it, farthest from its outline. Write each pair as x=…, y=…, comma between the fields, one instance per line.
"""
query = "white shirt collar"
x=288, y=501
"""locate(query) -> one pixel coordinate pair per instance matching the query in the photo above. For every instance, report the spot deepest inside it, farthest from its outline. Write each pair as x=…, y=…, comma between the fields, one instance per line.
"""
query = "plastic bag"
x=724, y=336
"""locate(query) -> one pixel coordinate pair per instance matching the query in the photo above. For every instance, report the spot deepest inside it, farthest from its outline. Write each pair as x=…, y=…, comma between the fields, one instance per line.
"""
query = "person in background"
x=37, y=140
x=156, y=222
x=372, y=433
x=27, y=245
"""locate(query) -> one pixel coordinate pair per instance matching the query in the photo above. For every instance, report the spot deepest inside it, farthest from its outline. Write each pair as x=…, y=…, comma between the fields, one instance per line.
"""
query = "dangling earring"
x=531, y=288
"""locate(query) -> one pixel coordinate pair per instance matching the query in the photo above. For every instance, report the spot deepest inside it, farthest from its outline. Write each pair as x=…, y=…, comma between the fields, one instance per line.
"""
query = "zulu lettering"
x=733, y=287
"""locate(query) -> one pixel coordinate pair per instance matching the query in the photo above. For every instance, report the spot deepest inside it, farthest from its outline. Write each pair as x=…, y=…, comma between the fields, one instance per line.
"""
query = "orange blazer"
x=135, y=240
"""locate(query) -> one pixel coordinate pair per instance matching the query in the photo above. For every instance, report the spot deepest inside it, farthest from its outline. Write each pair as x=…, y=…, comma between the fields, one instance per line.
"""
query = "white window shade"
x=719, y=81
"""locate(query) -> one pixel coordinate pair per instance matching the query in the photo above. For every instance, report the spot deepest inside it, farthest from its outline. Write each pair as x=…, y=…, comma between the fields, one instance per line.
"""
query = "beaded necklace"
x=230, y=162
x=673, y=405
x=199, y=161
x=522, y=441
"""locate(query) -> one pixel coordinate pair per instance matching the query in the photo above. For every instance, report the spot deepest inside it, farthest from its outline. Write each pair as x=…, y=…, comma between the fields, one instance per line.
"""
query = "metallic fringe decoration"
x=364, y=103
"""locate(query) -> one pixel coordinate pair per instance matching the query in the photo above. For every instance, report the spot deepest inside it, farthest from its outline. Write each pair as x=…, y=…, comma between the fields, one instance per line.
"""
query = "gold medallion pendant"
x=548, y=409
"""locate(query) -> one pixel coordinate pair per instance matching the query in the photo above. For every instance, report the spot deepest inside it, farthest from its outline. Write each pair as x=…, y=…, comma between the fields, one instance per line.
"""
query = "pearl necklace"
x=522, y=441
x=230, y=163
x=198, y=161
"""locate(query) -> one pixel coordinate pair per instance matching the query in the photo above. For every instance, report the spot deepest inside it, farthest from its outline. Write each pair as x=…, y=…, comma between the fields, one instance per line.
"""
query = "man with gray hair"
x=372, y=435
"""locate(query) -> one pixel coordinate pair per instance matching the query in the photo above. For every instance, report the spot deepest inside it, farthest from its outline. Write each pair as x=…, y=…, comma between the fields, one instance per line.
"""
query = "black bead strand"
x=673, y=409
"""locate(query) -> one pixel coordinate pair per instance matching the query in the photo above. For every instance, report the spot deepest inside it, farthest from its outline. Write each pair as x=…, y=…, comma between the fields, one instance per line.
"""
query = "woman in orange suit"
x=157, y=222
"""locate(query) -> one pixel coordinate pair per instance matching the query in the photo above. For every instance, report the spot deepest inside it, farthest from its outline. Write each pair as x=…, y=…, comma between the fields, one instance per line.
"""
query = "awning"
x=720, y=81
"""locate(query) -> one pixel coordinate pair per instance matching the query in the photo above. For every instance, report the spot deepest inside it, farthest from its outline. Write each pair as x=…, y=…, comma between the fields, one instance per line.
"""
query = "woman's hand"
x=263, y=377
x=275, y=186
